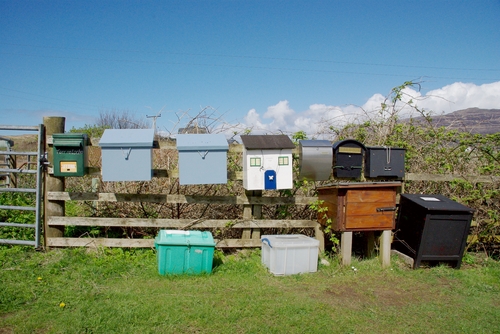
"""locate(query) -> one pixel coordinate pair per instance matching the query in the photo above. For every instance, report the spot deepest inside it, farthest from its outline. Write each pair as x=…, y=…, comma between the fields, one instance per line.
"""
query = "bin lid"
x=192, y=142
x=289, y=240
x=127, y=138
x=184, y=238
x=436, y=202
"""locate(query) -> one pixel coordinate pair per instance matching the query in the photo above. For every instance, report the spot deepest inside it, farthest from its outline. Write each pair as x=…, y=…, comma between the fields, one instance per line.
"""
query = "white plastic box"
x=290, y=254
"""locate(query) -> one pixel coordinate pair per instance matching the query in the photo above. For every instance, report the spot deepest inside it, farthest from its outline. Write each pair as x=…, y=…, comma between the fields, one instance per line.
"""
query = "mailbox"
x=202, y=158
x=70, y=154
x=432, y=228
x=267, y=162
x=127, y=154
x=315, y=160
x=348, y=158
x=385, y=162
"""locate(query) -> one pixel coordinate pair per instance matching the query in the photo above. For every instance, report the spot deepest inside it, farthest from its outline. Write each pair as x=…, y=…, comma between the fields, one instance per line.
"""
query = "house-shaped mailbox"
x=202, y=158
x=315, y=160
x=385, y=162
x=267, y=162
x=127, y=154
x=348, y=158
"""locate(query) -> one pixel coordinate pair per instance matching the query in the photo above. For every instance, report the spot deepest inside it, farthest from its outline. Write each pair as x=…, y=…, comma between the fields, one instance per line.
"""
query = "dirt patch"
x=383, y=292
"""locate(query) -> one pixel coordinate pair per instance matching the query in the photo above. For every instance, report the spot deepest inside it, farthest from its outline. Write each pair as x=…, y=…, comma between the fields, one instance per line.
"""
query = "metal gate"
x=21, y=173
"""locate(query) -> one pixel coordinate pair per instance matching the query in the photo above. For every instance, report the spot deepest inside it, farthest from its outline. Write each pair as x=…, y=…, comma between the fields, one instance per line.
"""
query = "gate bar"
x=21, y=208
x=18, y=225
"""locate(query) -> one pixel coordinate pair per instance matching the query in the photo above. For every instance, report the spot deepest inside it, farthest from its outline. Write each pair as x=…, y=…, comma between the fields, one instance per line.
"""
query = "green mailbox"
x=70, y=154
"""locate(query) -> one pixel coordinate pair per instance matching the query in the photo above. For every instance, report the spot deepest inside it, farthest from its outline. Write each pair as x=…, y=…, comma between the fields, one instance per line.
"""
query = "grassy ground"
x=116, y=291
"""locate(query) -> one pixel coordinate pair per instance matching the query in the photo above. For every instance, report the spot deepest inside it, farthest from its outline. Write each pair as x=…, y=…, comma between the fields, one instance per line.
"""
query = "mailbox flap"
x=206, y=142
x=69, y=139
x=127, y=138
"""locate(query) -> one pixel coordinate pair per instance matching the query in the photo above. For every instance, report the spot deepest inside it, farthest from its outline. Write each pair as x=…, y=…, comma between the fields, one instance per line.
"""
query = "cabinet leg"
x=385, y=248
x=346, y=248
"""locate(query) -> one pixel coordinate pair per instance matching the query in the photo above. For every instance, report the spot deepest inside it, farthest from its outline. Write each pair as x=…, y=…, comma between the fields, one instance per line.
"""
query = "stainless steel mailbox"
x=127, y=154
x=385, y=162
x=315, y=160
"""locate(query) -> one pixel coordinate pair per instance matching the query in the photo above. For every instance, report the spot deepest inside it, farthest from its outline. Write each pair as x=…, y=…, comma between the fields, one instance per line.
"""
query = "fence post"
x=52, y=183
x=252, y=212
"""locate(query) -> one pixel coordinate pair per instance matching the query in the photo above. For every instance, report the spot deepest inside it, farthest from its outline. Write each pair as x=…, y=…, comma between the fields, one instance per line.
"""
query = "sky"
x=268, y=66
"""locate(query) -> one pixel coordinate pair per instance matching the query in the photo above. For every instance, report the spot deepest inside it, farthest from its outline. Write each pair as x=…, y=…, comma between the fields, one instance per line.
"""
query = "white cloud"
x=316, y=120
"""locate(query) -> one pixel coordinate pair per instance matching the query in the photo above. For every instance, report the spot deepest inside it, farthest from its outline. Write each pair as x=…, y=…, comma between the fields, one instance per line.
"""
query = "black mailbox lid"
x=437, y=203
x=348, y=143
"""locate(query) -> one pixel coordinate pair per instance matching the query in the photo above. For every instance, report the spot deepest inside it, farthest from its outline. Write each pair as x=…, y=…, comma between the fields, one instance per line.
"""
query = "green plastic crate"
x=184, y=252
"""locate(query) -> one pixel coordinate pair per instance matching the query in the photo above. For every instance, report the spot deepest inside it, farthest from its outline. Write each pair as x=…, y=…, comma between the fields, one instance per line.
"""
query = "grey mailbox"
x=385, y=162
x=315, y=160
x=202, y=158
x=127, y=154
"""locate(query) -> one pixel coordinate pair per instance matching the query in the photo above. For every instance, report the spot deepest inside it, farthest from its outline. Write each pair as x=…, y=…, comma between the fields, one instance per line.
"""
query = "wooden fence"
x=250, y=224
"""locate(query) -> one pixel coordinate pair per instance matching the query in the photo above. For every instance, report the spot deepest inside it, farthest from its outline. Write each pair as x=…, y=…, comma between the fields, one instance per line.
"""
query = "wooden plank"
x=371, y=195
x=375, y=222
x=239, y=243
x=100, y=242
x=173, y=198
x=178, y=223
x=140, y=243
x=451, y=177
x=360, y=209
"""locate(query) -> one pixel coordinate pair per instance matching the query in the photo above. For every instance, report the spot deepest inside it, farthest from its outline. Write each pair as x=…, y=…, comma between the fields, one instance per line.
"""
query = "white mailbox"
x=267, y=162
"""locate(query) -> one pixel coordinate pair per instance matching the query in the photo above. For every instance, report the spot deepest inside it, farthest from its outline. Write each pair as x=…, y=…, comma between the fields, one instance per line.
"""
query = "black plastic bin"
x=432, y=228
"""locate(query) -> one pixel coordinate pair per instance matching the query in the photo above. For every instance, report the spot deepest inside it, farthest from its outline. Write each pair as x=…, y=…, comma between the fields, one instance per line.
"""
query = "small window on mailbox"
x=283, y=161
x=255, y=162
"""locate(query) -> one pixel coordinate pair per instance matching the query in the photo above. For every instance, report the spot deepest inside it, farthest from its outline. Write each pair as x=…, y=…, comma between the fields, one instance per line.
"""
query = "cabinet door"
x=370, y=209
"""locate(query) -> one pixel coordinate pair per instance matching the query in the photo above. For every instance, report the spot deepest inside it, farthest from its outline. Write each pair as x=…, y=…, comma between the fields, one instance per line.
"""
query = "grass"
x=119, y=291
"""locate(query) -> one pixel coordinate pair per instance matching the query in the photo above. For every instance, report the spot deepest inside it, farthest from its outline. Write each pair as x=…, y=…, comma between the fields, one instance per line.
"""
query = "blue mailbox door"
x=269, y=179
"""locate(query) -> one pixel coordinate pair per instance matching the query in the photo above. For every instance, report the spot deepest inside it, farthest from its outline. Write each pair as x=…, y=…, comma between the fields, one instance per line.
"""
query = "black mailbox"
x=432, y=228
x=348, y=158
x=385, y=162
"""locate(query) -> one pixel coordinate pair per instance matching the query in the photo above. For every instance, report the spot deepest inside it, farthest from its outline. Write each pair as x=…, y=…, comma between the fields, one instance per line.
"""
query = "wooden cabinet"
x=362, y=206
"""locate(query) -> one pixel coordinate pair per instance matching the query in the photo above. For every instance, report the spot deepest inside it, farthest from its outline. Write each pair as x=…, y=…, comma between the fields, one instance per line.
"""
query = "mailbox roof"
x=187, y=142
x=127, y=137
x=315, y=143
x=268, y=142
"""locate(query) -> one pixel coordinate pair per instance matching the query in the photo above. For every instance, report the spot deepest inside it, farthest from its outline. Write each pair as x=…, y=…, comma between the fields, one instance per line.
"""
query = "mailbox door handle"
x=386, y=209
x=127, y=153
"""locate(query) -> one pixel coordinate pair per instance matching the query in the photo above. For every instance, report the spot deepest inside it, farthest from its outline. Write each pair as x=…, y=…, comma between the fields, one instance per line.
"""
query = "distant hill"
x=473, y=120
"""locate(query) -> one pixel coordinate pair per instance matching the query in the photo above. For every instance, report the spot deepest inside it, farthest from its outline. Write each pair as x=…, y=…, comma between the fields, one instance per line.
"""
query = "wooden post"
x=52, y=183
x=346, y=248
x=385, y=248
x=251, y=211
x=369, y=237
x=320, y=236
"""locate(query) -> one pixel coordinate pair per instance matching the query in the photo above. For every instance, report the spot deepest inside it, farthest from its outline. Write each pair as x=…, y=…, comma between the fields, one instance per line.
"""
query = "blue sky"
x=266, y=65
